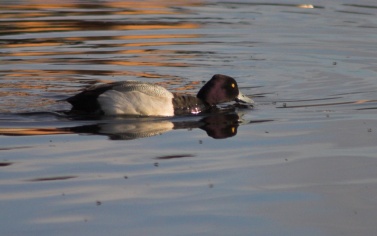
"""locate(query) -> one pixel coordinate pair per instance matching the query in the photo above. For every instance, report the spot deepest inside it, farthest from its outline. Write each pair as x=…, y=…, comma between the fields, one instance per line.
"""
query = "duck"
x=148, y=99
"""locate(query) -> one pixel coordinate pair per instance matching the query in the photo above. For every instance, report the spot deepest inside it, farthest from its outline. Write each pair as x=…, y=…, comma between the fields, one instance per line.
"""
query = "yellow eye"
x=233, y=130
x=233, y=85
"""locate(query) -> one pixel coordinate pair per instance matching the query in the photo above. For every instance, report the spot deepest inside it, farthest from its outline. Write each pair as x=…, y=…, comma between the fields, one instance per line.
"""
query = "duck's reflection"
x=218, y=126
x=125, y=131
x=222, y=126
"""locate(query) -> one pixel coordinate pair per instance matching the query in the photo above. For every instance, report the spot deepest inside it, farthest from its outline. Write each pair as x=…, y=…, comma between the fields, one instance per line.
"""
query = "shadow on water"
x=218, y=125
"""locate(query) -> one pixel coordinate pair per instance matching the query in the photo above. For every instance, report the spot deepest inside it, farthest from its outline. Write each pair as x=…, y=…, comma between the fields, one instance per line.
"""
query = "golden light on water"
x=71, y=34
x=31, y=131
x=305, y=6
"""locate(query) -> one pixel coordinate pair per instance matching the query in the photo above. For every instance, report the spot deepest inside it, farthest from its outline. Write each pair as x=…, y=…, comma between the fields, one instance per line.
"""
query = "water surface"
x=302, y=162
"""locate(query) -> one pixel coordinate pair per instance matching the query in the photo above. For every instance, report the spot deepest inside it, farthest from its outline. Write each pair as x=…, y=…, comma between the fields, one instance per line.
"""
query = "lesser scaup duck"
x=146, y=99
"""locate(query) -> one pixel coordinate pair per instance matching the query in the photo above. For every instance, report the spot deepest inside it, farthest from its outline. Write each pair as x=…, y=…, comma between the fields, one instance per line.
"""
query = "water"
x=302, y=162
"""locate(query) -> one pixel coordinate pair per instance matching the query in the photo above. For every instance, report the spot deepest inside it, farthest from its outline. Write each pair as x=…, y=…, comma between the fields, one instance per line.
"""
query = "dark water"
x=302, y=162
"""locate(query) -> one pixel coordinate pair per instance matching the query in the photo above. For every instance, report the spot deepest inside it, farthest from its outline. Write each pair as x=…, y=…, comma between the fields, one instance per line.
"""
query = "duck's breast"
x=187, y=104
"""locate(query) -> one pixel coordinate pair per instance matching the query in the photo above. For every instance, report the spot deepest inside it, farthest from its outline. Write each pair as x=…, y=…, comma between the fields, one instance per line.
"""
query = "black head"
x=219, y=89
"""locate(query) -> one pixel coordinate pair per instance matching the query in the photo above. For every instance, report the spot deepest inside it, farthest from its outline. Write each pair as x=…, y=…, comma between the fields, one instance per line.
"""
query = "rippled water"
x=302, y=162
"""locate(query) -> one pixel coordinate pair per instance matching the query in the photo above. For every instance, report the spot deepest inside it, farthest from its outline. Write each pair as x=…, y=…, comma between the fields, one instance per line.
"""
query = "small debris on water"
x=156, y=164
x=5, y=164
x=98, y=203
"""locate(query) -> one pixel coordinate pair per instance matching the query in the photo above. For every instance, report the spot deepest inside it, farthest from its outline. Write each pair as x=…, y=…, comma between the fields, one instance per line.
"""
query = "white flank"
x=135, y=103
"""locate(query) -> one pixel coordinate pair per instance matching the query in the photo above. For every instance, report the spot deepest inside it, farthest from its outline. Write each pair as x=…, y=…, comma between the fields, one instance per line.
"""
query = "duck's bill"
x=244, y=99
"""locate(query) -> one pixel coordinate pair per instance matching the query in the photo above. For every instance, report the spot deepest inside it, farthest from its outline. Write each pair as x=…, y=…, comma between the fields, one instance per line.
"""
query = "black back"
x=86, y=101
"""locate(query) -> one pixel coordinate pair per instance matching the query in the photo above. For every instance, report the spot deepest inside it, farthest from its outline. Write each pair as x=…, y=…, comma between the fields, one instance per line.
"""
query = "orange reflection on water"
x=64, y=75
x=145, y=63
x=51, y=42
x=156, y=25
x=40, y=26
x=39, y=44
x=133, y=37
x=29, y=17
x=55, y=26
x=31, y=131
x=36, y=9
x=154, y=4
x=97, y=38
x=25, y=23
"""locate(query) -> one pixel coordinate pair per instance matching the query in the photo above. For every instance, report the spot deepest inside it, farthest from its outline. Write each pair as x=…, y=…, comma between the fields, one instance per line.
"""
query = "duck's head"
x=221, y=88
